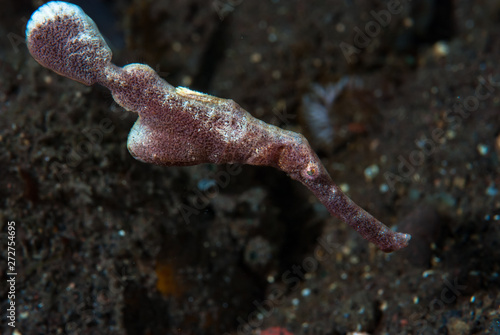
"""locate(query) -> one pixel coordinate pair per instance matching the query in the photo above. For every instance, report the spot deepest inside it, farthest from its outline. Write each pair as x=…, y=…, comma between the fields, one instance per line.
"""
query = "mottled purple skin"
x=180, y=127
x=61, y=37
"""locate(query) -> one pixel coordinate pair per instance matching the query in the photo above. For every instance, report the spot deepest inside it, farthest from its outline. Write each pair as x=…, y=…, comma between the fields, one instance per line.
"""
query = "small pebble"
x=427, y=273
x=344, y=187
x=441, y=49
x=383, y=188
x=482, y=149
x=255, y=57
x=371, y=172
x=491, y=190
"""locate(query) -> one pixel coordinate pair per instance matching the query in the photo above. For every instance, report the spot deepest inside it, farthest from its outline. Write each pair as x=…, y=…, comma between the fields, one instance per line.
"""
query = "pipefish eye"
x=311, y=171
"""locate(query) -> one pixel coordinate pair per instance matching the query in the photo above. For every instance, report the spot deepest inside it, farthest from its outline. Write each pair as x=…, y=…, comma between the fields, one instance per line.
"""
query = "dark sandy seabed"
x=102, y=246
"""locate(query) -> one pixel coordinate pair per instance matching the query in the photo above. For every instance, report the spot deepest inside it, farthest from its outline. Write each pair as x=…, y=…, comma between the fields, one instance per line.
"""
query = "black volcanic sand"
x=109, y=245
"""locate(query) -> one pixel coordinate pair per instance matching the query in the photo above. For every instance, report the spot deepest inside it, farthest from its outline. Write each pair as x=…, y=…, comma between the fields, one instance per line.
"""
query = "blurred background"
x=400, y=99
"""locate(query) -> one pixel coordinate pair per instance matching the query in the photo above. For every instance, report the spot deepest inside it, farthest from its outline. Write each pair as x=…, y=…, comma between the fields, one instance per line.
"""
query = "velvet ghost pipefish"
x=180, y=127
